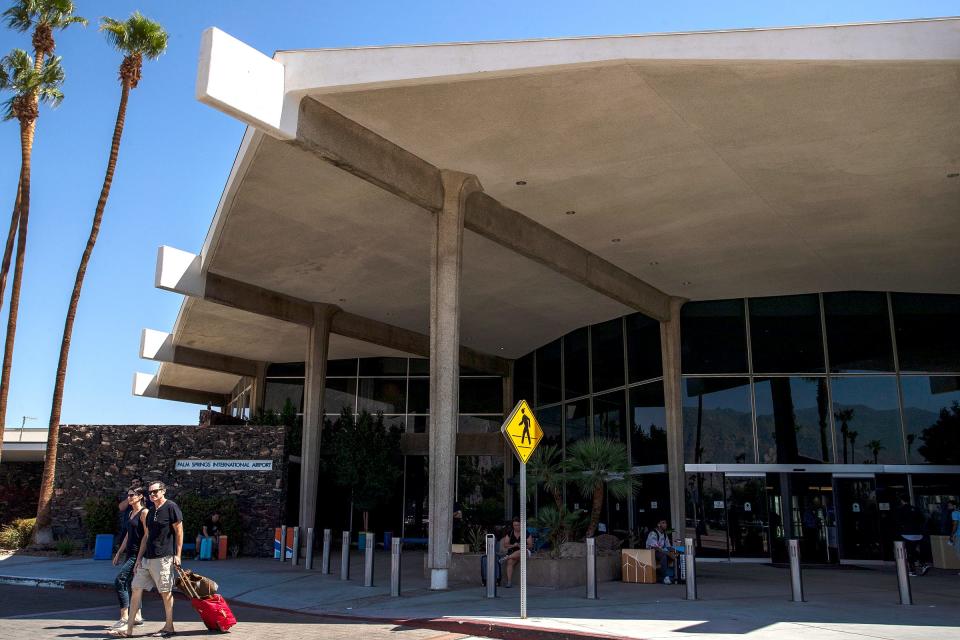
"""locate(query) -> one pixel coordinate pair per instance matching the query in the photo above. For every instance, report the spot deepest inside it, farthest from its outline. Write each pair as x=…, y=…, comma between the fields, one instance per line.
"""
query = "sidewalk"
x=748, y=600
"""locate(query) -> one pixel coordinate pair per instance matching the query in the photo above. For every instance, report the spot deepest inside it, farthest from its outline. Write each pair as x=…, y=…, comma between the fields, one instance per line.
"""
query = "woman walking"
x=134, y=524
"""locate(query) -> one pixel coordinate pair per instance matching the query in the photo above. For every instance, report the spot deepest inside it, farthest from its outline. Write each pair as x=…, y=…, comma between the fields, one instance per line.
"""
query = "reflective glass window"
x=610, y=416
x=340, y=394
x=648, y=425
x=643, y=348
x=866, y=417
x=481, y=395
x=395, y=422
x=479, y=424
x=793, y=420
x=418, y=398
x=277, y=392
x=931, y=409
x=607, y=354
x=707, y=514
x=480, y=492
x=346, y=367
x=418, y=424
x=293, y=369
x=523, y=379
x=713, y=337
x=551, y=421
x=858, y=332
x=383, y=366
x=387, y=395
x=577, y=421
x=717, y=421
x=576, y=363
x=928, y=331
x=419, y=367
x=785, y=334
x=548, y=373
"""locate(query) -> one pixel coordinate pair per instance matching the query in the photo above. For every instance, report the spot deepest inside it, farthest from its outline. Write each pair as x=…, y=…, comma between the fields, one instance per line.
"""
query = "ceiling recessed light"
x=686, y=283
x=615, y=240
x=654, y=263
x=571, y=213
x=520, y=183
x=953, y=175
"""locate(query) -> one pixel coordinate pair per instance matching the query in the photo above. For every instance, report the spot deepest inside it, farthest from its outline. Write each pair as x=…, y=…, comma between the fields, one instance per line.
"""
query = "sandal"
x=163, y=633
x=118, y=633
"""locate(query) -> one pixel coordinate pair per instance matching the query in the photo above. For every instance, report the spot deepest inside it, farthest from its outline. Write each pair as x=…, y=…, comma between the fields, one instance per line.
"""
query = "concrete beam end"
x=156, y=345
x=242, y=82
x=179, y=271
x=145, y=385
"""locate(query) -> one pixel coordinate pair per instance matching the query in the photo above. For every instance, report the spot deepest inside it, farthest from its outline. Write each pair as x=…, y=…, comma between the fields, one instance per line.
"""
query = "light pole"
x=22, y=424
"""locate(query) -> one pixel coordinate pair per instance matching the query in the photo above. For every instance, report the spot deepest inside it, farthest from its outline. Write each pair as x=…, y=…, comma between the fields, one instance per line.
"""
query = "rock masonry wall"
x=103, y=460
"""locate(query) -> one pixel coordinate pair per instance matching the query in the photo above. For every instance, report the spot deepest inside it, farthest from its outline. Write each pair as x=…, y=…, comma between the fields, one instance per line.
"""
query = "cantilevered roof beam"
x=180, y=272
x=159, y=346
x=145, y=385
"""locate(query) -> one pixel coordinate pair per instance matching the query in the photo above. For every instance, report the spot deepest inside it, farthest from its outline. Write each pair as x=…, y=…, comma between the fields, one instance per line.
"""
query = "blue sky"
x=176, y=154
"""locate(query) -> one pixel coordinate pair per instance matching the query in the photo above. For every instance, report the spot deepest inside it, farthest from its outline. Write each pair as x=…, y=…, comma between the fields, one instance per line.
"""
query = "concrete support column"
x=314, y=383
x=508, y=457
x=256, y=389
x=673, y=402
x=445, y=274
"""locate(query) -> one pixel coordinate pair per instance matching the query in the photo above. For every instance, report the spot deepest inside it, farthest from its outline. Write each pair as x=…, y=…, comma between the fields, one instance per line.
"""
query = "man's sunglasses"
x=154, y=491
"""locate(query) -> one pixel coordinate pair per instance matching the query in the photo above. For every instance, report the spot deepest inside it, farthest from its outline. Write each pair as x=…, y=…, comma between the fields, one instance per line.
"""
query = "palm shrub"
x=99, y=516
x=561, y=526
x=595, y=466
x=546, y=468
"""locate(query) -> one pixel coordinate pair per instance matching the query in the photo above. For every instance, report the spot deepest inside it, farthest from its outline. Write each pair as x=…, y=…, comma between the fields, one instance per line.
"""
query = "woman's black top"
x=134, y=531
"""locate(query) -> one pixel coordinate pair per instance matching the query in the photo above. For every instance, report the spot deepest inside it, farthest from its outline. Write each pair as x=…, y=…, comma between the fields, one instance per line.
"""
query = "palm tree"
x=44, y=17
x=136, y=37
x=546, y=468
x=30, y=89
x=595, y=465
x=875, y=447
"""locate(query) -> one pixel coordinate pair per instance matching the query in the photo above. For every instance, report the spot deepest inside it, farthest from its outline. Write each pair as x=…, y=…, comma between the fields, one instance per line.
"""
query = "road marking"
x=58, y=612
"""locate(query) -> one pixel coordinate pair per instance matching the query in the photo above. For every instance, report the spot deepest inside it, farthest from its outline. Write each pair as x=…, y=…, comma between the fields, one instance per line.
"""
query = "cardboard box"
x=944, y=555
x=639, y=566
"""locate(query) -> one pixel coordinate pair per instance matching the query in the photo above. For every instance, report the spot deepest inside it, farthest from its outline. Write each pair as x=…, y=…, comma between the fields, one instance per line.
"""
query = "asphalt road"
x=28, y=613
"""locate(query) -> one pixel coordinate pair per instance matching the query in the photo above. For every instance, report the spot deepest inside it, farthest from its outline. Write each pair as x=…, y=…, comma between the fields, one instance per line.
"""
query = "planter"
x=542, y=571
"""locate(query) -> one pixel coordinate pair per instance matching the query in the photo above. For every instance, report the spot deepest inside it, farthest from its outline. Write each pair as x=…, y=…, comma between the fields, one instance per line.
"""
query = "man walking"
x=159, y=553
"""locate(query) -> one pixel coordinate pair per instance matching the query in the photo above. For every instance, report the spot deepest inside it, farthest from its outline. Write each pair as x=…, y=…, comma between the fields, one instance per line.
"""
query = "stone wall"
x=103, y=460
x=19, y=490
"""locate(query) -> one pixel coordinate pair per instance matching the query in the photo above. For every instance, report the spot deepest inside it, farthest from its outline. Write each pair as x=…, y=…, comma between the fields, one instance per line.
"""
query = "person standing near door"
x=910, y=524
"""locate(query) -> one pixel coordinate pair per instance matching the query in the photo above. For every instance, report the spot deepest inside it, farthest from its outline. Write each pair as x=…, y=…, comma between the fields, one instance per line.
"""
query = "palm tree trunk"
x=8, y=248
x=43, y=533
x=26, y=146
x=595, y=511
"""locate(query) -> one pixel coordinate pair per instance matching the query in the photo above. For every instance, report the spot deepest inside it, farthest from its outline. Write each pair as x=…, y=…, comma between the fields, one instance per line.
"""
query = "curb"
x=464, y=626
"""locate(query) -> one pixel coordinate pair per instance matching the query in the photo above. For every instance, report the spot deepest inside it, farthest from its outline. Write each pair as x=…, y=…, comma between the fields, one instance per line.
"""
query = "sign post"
x=523, y=432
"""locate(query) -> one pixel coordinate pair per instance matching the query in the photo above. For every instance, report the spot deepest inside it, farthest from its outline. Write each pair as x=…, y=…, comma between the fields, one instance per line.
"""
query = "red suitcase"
x=215, y=612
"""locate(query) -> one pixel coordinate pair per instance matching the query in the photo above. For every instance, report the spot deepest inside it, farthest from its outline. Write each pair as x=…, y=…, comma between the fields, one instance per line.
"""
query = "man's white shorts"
x=155, y=572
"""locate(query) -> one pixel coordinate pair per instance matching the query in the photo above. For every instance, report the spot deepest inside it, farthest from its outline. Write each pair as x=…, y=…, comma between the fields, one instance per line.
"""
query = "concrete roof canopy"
x=706, y=165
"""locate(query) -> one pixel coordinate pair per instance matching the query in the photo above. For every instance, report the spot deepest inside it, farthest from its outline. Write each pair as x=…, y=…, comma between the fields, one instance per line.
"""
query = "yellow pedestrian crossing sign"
x=522, y=431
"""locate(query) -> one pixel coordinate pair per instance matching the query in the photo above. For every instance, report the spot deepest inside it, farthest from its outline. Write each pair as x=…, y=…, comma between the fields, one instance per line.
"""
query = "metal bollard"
x=591, y=568
x=903, y=573
x=395, y=547
x=491, y=565
x=368, y=559
x=796, y=579
x=690, y=562
x=345, y=556
x=325, y=558
x=308, y=558
x=296, y=546
x=283, y=543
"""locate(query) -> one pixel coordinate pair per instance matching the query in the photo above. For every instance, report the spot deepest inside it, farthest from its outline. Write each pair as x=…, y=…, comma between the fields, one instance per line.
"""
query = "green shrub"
x=197, y=509
x=17, y=534
x=65, y=546
x=100, y=515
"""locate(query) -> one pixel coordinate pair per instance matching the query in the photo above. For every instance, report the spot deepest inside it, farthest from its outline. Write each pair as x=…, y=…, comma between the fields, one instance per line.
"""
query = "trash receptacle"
x=361, y=541
x=387, y=539
x=103, y=547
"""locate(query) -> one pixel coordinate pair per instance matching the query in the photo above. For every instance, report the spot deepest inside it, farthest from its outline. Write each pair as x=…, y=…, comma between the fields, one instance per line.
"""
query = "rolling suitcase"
x=206, y=549
x=483, y=570
x=213, y=609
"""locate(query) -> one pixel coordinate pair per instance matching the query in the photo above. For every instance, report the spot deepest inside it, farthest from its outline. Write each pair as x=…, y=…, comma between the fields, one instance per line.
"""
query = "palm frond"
x=136, y=35
x=19, y=16
x=27, y=14
x=19, y=77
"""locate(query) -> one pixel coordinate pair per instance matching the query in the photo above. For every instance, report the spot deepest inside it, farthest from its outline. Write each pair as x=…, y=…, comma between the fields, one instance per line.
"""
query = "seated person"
x=510, y=545
x=666, y=555
x=210, y=529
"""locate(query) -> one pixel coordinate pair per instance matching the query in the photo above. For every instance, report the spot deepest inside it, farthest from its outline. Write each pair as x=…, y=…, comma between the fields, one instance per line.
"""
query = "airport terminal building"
x=735, y=252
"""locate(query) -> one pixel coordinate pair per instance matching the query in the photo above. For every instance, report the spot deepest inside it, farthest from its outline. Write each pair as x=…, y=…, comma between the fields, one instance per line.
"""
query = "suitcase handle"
x=185, y=585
